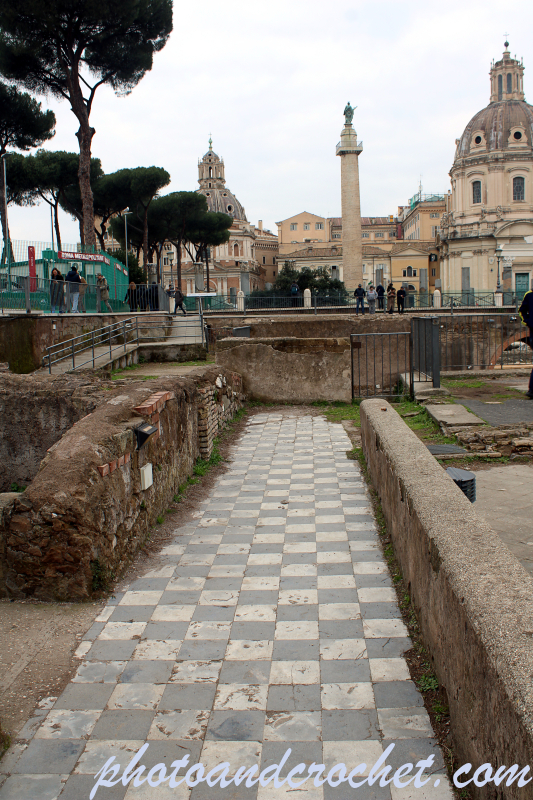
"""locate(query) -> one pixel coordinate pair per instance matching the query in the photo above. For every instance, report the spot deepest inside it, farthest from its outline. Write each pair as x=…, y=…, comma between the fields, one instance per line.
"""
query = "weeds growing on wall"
x=102, y=576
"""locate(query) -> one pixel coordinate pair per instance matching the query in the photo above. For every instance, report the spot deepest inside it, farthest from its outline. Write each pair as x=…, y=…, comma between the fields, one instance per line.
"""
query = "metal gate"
x=381, y=363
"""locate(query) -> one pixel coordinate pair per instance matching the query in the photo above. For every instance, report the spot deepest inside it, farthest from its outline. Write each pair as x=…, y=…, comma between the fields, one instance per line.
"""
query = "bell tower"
x=506, y=78
x=211, y=170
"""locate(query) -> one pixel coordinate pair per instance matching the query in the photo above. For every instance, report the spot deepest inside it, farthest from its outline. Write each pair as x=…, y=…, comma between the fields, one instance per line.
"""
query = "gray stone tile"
x=295, y=612
x=231, y=559
x=374, y=581
x=351, y=671
x=367, y=555
x=201, y=549
x=291, y=650
x=393, y=647
x=203, y=650
x=236, y=726
x=296, y=582
x=343, y=629
x=397, y=694
x=49, y=756
x=80, y=786
x=241, y=792
x=275, y=547
x=195, y=696
x=131, y=614
x=259, y=598
x=94, y=631
x=194, y=571
x=231, y=584
x=335, y=569
x=24, y=787
x=409, y=751
x=380, y=610
x=123, y=724
x=147, y=672
x=253, y=672
x=165, y=752
x=299, y=558
x=329, y=547
x=253, y=630
x=85, y=696
x=148, y=584
x=337, y=596
x=365, y=792
x=294, y=697
x=183, y=598
x=214, y=613
x=238, y=538
x=350, y=725
x=301, y=753
x=165, y=630
x=112, y=650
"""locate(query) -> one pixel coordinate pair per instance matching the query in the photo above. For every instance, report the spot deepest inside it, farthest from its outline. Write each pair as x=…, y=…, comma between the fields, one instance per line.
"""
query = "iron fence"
x=380, y=363
x=483, y=341
x=425, y=351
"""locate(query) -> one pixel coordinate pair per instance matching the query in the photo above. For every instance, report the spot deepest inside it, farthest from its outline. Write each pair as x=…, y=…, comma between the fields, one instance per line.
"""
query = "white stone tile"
x=382, y=595
x=357, y=546
x=269, y=583
x=227, y=571
x=249, y=650
x=298, y=629
x=269, y=538
x=185, y=584
x=259, y=613
x=259, y=559
x=298, y=571
x=389, y=669
x=437, y=788
x=338, y=611
x=236, y=754
x=141, y=599
x=230, y=549
x=290, y=726
x=122, y=630
x=173, y=613
x=196, y=672
x=278, y=522
x=162, y=572
x=62, y=724
x=328, y=504
x=333, y=649
x=333, y=557
x=152, y=650
x=249, y=513
x=173, y=550
x=211, y=522
x=199, y=560
x=98, y=751
x=330, y=519
x=241, y=697
x=136, y=695
x=222, y=597
x=405, y=723
x=106, y=612
x=294, y=672
x=383, y=628
x=336, y=582
x=206, y=538
x=300, y=512
x=369, y=567
x=208, y=630
x=179, y=725
x=331, y=536
x=347, y=695
x=308, y=791
x=299, y=547
x=352, y=754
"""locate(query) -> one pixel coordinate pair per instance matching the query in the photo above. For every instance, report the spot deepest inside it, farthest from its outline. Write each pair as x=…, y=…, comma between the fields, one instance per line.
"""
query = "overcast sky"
x=270, y=81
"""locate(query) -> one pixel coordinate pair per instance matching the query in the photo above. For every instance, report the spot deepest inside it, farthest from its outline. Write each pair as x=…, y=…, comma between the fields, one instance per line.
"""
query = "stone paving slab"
x=505, y=413
x=271, y=623
x=453, y=414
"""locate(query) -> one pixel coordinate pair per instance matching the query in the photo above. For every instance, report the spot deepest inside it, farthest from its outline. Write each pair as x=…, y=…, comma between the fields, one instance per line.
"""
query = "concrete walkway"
x=271, y=623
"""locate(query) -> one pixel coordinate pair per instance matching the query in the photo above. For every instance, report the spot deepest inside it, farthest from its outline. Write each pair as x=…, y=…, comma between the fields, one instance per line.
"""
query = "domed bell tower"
x=211, y=170
x=506, y=78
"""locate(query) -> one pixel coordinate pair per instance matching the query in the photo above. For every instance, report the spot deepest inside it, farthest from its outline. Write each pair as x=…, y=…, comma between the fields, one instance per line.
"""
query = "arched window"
x=235, y=249
x=519, y=189
x=500, y=87
x=210, y=172
x=509, y=83
x=476, y=190
x=409, y=272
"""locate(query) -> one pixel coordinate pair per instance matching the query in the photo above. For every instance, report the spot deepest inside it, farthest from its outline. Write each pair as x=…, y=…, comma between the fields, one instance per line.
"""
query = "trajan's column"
x=352, y=249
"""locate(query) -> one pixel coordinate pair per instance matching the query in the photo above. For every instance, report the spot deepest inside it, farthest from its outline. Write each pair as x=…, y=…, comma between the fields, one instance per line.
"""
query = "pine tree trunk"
x=56, y=225
x=85, y=135
x=145, y=238
x=7, y=251
x=178, y=267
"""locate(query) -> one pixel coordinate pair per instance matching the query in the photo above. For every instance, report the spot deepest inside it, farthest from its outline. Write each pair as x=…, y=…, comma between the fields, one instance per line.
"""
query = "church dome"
x=212, y=182
x=496, y=127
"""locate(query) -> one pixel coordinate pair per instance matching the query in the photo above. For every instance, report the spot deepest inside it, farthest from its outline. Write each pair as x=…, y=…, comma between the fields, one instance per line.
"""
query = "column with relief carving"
x=352, y=248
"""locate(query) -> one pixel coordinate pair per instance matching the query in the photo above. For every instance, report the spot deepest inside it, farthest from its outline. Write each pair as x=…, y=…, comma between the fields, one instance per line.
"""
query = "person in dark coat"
x=526, y=313
x=178, y=302
x=74, y=280
x=400, y=299
x=381, y=296
x=359, y=295
x=131, y=297
x=391, y=297
x=57, y=283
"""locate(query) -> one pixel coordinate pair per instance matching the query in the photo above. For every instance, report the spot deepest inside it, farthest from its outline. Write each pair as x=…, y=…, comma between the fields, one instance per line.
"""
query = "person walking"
x=294, y=293
x=400, y=299
x=371, y=297
x=102, y=284
x=391, y=298
x=56, y=292
x=74, y=281
x=178, y=302
x=526, y=314
x=83, y=290
x=359, y=295
x=131, y=297
x=381, y=297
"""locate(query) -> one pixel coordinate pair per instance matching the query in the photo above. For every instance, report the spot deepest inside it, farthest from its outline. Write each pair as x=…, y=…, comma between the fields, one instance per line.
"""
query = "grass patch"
x=16, y=488
x=5, y=742
x=336, y=411
x=463, y=383
x=425, y=427
x=102, y=576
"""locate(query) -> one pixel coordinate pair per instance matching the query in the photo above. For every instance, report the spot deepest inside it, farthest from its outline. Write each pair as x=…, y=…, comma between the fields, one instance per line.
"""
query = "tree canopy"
x=22, y=125
x=319, y=281
x=70, y=49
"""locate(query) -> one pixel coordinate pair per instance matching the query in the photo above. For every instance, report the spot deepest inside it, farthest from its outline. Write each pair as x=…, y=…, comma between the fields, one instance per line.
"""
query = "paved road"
x=270, y=623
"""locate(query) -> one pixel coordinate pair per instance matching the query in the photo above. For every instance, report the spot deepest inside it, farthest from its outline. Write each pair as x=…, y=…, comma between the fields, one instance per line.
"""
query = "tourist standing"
x=74, y=281
x=83, y=291
x=102, y=284
x=359, y=295
x=391, y=298
x=371, y=297
x=56, y=292
x=294, y=293
x=381, y=296
x=178, y=302
x=526, y=312
x=400, y=299
x=131, y=297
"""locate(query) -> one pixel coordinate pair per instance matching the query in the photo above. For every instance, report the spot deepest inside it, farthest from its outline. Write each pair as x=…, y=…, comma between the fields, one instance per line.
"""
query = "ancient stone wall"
x=474, y=600
x=310, y=326
x=84, y=516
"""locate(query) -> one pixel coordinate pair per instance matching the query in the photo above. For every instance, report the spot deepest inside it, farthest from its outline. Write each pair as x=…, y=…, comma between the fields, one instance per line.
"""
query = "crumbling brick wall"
x=84, y=516
x=218, y=403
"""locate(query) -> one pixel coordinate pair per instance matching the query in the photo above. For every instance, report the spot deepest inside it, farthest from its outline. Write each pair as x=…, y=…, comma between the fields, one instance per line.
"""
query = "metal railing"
x=425, y=351
x=484, y=341
x=379, y=362
x=121, y=337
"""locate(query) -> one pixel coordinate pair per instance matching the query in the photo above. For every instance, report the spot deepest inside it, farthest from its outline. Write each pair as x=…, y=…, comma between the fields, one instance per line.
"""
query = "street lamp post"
x=126, y=212
x=499, y=253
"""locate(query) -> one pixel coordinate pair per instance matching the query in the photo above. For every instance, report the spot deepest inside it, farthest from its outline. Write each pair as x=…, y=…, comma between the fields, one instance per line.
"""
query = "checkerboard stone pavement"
x=271, y=623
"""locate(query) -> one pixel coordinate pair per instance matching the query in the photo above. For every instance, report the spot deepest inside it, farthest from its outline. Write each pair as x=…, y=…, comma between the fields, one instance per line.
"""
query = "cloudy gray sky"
x=269, y=81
